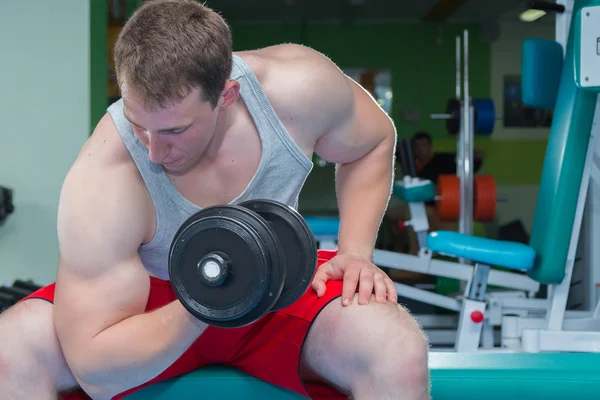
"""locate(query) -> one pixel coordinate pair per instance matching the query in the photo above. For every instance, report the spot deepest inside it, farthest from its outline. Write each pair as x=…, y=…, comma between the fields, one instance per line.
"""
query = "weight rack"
x=10, y=295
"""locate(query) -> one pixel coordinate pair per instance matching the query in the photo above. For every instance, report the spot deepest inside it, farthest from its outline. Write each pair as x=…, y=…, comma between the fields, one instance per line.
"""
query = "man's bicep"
x=360, y=129
x=100, y=278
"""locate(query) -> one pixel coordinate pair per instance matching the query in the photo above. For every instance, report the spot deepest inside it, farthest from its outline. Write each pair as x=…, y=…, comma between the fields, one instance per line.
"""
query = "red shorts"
x=268, y=349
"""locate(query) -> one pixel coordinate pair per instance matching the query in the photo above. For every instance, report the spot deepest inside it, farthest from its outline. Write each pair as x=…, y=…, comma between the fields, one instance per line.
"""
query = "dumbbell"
x=230, y=265
x=26, y=285
x=6, y=301
x=16, y=292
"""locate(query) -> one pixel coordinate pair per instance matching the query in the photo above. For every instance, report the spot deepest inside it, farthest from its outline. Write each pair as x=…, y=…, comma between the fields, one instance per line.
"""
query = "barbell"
x=485, y=198
x=485, y=116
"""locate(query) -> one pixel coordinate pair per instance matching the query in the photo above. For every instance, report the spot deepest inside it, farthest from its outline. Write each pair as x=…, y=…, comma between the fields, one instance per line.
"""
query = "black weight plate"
x=453, y=124
x=298, y=244
x=255, y=279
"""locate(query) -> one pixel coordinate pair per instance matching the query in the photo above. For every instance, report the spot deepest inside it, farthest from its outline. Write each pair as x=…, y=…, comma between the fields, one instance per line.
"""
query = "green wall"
x=421, y=59
x=422, y=63
x=98, y=61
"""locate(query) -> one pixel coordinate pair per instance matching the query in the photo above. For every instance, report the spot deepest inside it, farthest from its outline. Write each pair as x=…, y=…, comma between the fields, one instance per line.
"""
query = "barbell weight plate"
x=453, y=123
x=485, y=198
x=298, y=246
x=255, y=273
x=448, y=192
x=485, y=116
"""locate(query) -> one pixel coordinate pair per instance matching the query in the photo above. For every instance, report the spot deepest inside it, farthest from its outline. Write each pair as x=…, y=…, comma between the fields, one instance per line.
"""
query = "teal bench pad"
x=420, y=192
x=464, y=376
x=323, y=226
x=482, y=250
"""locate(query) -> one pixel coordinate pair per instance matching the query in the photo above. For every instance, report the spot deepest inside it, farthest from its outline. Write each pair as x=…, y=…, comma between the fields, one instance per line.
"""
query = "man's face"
x=422, y=149
x=176, y=136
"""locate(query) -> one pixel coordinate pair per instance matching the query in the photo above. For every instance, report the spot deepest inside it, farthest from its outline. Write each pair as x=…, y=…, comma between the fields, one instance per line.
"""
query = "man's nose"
x=157, y=148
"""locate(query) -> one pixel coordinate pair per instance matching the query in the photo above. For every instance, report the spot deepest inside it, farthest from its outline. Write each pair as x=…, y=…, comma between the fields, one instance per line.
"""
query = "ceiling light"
x=531, y=15
x=537, y=9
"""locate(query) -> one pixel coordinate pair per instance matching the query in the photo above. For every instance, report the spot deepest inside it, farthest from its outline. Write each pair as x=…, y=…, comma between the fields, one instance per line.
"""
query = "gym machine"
x=463, y=197
x=465, y=116
x=545, y=350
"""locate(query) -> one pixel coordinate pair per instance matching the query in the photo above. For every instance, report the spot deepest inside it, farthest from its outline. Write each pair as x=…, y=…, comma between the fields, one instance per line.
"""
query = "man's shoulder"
x=104, y=155
x=302, y=84
x=285, y=67
x=266, y=60
x=105, y=145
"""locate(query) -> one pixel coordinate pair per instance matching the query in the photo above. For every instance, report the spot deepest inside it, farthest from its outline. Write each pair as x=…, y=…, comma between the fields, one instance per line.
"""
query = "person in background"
x=429, y=165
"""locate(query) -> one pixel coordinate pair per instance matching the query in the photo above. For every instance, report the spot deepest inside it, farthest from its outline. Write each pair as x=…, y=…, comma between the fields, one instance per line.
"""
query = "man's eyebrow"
x=176, y=128
x=129, y=119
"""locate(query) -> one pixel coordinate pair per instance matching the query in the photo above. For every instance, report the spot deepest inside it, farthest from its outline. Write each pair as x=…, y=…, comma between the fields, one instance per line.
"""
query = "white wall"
x=45, y=118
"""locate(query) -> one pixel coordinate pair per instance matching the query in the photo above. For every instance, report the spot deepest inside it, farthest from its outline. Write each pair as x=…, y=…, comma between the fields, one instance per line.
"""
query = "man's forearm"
x=363, y=189
x=137, y=349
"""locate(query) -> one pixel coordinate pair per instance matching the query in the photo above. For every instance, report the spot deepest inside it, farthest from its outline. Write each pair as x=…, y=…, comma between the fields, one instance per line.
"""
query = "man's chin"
x=175, y=167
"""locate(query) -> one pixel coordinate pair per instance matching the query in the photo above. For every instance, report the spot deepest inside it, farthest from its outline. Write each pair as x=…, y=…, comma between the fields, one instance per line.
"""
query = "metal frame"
x=526, y=324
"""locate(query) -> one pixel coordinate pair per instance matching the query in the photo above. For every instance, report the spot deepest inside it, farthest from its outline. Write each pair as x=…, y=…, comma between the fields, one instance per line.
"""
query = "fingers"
x=319, y=281
x=392, y=293
x=351, y=277
x=319, y=287
x=365, y=287
x=380, y=287
x=357, y=277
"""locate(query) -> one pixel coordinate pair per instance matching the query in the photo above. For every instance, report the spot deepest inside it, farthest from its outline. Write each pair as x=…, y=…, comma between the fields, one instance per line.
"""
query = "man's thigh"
x=30, y=352
x=271, y=349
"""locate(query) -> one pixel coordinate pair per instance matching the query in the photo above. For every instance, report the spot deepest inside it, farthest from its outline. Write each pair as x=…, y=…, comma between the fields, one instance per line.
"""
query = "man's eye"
x=177, y=132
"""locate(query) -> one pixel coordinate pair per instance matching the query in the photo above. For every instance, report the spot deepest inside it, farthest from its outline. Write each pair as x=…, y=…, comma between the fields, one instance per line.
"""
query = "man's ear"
x=230, y=93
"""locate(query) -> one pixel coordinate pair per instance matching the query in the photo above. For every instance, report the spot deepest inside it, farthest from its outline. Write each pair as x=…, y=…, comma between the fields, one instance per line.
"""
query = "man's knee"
x=390, y=341
x=407, y=354
x=30, y=321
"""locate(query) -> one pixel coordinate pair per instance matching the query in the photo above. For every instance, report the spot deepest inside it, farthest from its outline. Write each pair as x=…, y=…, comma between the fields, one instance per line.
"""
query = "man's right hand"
x=105, y=215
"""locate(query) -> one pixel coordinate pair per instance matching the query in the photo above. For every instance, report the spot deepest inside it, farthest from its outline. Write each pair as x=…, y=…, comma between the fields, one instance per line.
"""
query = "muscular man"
x=199, y=125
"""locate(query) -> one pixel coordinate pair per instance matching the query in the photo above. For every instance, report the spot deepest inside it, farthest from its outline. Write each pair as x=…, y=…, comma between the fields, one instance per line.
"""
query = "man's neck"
x=225, y=121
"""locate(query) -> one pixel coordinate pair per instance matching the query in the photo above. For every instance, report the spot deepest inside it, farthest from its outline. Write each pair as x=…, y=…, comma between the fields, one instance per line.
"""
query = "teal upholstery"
x=563, y=169
x=323, y=226
x=464, y=376
x=481, y=250
x=416, y=192
x=539, y=376
x=214, y=383
x=541, y=67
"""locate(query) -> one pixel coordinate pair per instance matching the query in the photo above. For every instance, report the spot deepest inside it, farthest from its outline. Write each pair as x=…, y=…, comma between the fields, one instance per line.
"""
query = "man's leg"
x=374, y=351
x=32, y=365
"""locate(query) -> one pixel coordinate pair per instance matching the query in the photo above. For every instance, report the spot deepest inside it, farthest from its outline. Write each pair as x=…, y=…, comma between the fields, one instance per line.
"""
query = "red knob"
x=477, y=317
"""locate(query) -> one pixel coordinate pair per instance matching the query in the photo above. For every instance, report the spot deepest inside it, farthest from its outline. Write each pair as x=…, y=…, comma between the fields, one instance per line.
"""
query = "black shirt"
x=442, y=164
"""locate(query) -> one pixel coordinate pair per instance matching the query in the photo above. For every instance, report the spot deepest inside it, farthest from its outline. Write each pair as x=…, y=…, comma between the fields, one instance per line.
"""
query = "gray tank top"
x=281, y=173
